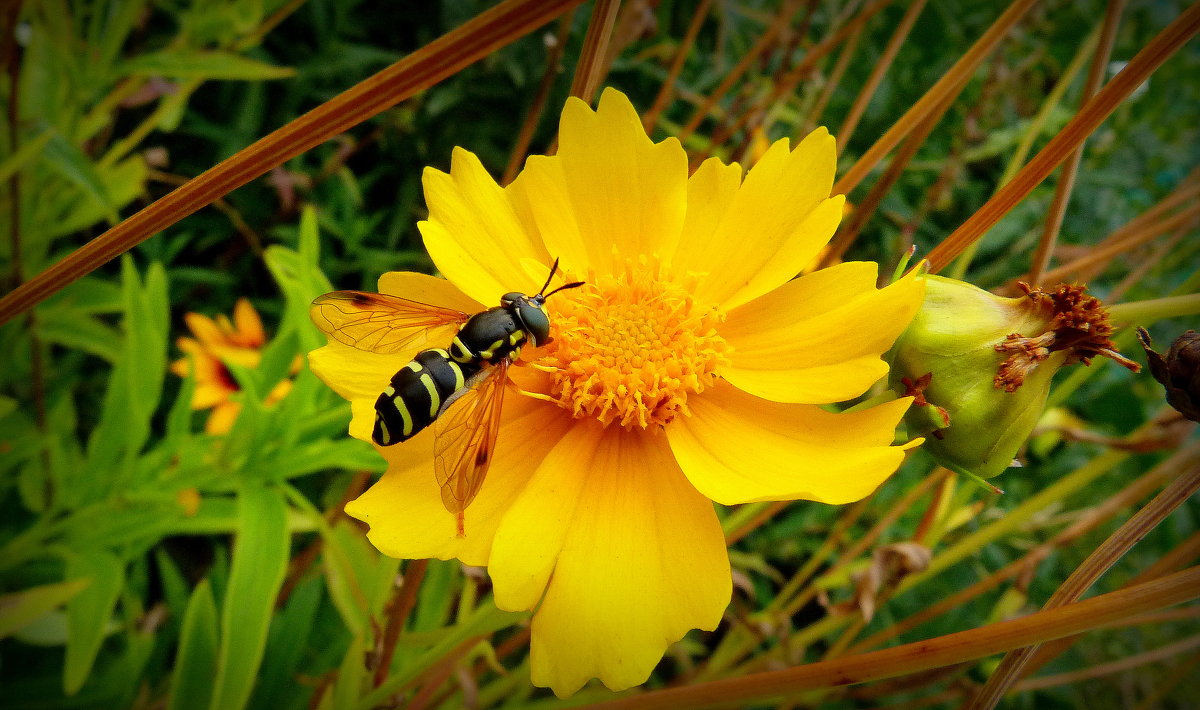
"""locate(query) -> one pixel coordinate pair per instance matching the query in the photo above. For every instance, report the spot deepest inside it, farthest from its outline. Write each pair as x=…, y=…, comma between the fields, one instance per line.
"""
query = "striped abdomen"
x=416, y=393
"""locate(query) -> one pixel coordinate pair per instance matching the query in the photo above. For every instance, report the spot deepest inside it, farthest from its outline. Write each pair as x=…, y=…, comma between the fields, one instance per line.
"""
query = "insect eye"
x=536, y=322
x=510, y=298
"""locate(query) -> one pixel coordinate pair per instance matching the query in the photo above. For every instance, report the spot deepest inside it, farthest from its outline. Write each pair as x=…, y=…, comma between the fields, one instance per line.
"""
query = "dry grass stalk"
x=924, y=655
x=877, y=73
x=650, y=118
x=1101, y=559
x=1089, y=117
x=553, y=62
x=782, y=19
x=1088, y=521
x=954, y=77
x=590, y=70
x=787, y=84
x=402, y=604
x=866, y=209
x=425, y=67
x=1099, y=256
x=1170, y=650
x=1066, y=180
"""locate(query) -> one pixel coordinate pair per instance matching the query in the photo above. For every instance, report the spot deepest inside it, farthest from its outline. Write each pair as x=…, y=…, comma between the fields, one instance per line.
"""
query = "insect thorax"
x=491, y=335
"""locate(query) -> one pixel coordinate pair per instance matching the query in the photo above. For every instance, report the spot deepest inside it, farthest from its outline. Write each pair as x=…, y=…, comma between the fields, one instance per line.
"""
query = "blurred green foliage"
x=143, y=562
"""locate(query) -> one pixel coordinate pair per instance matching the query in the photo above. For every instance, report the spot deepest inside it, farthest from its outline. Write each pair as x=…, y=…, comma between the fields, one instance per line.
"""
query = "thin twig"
x=954, y=77
x=877, y=73
x=650, y=118
x=589, y=71
x=1101, y=559
x=1066, y=180
x=478, y=38
x=553, y=65
x=1089, y=117
x=923, y=655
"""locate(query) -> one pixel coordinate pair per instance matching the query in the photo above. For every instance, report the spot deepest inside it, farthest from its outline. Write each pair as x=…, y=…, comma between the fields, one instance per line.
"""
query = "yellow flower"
x=217, y=342
x=687, y=370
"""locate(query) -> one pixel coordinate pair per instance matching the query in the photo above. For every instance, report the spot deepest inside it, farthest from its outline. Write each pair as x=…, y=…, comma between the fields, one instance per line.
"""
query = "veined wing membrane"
x=466, y=438
x=378, y=322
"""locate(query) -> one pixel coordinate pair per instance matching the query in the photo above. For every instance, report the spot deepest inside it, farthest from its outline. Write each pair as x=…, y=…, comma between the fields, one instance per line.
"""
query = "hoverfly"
x=460, y=387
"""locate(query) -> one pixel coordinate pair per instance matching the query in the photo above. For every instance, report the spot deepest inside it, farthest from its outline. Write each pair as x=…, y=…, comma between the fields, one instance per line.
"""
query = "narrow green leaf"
x=287, y=647
x=192, y=683
x=352, y=675
x=17, y=609
x=89, y=612
x=186, y=63
x=70, y=162
x=81, y=332
x=260, y=559
x=28, y=150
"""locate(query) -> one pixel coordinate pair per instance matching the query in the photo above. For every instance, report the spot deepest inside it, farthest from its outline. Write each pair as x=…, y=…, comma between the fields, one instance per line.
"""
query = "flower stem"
x=933, y=653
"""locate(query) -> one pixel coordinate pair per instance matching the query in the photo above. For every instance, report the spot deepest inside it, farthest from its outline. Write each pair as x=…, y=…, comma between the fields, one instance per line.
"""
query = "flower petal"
x=248, y=325
x=404, y=508
x=626, y=193
x=798, y=451
x=431, y=290
x=531, y=533
x=357, y=375
x=222, y=417
x=779, y=219
x=710, y=192
x=473, y=234
x=819, y=338
x=642, y=561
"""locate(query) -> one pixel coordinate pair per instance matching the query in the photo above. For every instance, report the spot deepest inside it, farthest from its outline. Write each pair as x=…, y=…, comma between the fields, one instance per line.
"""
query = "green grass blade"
x=89, y=612
x=260, y=559
x=191, y=686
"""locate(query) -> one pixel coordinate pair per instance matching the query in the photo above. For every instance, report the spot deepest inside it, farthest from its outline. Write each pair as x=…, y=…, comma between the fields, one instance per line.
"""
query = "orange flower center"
x=629, y=347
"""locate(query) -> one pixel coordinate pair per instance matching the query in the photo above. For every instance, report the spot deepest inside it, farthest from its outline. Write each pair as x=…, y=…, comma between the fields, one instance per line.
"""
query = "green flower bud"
x=984, y=363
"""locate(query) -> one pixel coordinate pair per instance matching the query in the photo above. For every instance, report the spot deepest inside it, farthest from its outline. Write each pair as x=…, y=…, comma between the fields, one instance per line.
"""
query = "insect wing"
x=378, y=322
x=466, y=437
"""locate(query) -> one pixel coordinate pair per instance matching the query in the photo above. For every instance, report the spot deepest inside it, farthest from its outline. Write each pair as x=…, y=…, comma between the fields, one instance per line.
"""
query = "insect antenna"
x=542, y=295
x=553, y=268
x=573, y=284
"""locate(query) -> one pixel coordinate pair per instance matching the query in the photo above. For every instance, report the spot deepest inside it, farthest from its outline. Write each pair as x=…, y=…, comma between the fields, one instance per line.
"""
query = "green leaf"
x=192, y=683
x=187, y=63
x=89, y=612
x=260, y=559
x=352, y=675
x=287, y=647
x=70, y=162
x=81, y=332
x=18, y=609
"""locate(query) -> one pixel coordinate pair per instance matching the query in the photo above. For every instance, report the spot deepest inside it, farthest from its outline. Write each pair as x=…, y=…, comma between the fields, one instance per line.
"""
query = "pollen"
x=628, y=348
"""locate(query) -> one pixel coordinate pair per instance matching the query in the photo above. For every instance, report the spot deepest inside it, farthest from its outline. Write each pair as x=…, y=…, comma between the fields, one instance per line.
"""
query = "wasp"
x=459, y=388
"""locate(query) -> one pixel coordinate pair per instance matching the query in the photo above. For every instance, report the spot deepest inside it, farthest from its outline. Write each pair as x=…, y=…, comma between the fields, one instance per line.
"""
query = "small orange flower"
x=217, y=342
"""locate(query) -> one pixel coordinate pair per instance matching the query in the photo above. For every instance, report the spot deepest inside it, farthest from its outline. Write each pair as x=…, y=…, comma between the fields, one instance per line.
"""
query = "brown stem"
x=402, y=605
x=877, y=73
x=590, y=70
x=479, y=37
x=950, y=82
x=553, y=63
x=1089, y=117
x=1066, y=181
x=764, y=42
x=863, y=212
x=924, y=655
x=650, y=119
x=1091, y=519
x=1101, y=559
